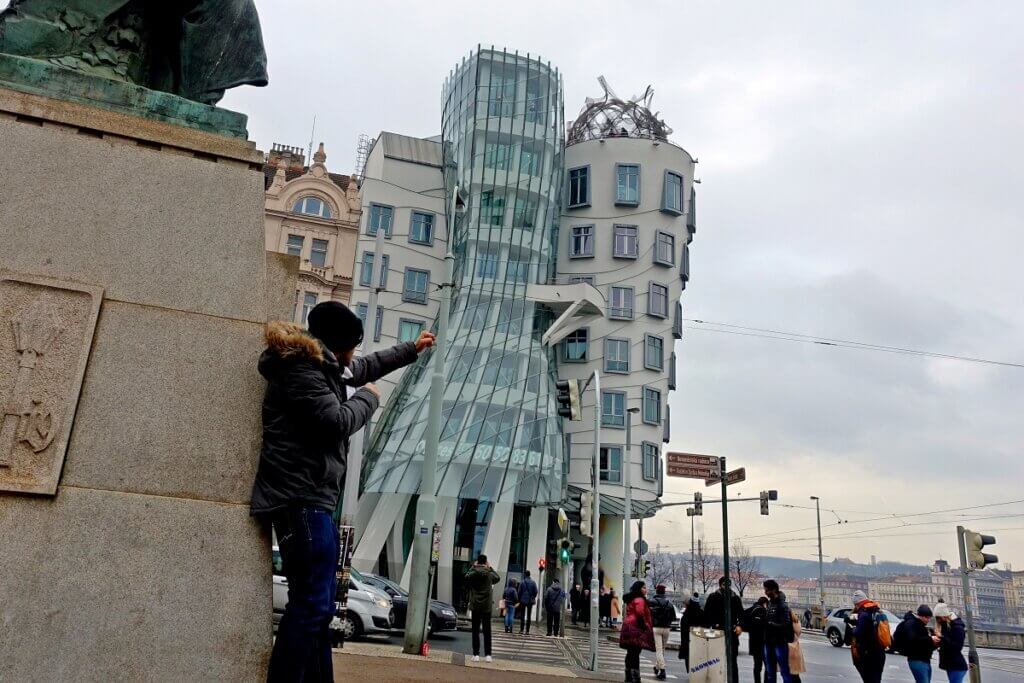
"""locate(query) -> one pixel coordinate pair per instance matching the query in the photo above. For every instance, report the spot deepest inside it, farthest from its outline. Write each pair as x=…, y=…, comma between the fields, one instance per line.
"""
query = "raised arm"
x=312, y=401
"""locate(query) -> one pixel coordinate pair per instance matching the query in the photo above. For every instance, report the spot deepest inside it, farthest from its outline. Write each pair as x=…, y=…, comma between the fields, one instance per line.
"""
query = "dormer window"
x=312, y=206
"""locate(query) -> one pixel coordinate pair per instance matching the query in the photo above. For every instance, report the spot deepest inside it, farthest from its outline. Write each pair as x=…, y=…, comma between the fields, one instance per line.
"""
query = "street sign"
x=734, y=477
x=689, y=471
x=692, y=459
x=640, y=547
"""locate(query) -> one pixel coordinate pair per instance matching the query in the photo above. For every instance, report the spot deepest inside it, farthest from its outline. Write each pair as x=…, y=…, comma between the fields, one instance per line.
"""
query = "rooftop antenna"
x=312, y=134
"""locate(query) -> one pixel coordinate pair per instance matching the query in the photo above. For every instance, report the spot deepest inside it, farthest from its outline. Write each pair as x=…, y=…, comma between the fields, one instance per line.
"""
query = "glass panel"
x=654, y=354
x=628, y=184
x=409, y=330
x=616, y=355
x=497, y=155
x=611, y=463
x=582, y=242
x=665, y=248
x=613, y=409
x=308, y=302
x=674, y=192
x=575, y=346
x=487, y=265
x=579, y=186
x=415, y=288
x=295, y=243
x=652, y=405
x=422, y=228
x=658, y=300
x=380, y=217
x=318, y=254
x=625, y=241
x=525, y=215
x=621, y=302
x=529, y=162
x=493, y=208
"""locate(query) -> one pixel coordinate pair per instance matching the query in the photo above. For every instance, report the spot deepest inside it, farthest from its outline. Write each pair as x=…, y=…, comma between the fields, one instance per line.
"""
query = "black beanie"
x=334, y=323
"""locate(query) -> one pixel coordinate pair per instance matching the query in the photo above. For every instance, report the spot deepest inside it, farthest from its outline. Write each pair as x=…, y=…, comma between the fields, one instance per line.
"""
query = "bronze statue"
x=195, y=49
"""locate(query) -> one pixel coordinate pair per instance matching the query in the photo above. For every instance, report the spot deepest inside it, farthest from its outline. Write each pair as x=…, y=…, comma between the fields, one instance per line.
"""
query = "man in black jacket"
x=662, y=616
x=778, y=634
x=714, y=614
x=914, y=642
x=308, y=417
x=755, y=621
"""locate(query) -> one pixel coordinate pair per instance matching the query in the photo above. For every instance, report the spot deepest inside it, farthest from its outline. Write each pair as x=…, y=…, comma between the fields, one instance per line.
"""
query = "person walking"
x=949, y=638
x=614, y=610
x=807, y=618
x=310, y=409
x=511, y=599
x=913, y=641
x=754, y=623
x=662, y=616
x=479, y=581
x=575, y=600
x=637, y=629
x=527, y=599
x=693, y=617
x=554, y=604
x=778, y=634
x=604, y=608
x=714, y=614
x=868, y=648
x=797, y=665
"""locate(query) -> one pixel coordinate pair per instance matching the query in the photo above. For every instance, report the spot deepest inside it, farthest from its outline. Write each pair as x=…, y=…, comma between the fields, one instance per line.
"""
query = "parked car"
x=369, y=609
x=840, y=633
x=442, y=615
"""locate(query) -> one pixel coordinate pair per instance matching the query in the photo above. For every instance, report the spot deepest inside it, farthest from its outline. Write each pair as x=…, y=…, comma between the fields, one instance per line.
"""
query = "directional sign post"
x=691, y=465
x=734, y=477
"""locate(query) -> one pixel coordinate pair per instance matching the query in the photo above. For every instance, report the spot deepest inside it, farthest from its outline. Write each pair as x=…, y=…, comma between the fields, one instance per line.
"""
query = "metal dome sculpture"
x=611, y=117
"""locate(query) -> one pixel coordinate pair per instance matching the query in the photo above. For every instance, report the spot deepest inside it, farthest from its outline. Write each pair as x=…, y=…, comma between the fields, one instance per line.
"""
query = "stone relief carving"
x=46, y=332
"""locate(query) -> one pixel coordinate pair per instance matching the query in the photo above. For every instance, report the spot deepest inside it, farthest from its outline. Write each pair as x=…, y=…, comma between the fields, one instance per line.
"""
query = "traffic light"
x=646, y=569
x=565, y=553
x=698, y=504
x=586, y=508
x=764, y=502
x=569, y=399
x=973, y=543
x=541, y=564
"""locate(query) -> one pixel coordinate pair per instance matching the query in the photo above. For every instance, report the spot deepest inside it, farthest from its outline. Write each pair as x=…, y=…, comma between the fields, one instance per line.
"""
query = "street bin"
x=707, y=655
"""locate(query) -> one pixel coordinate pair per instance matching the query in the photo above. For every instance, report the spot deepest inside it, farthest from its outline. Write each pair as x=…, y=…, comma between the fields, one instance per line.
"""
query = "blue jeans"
x=510, y=616
x=956, y=676
x=776, y=659
x=921, y=671
x=308, y=541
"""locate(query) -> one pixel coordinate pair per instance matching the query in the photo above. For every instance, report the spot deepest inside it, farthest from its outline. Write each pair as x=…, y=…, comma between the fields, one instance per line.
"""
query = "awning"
x=612, y=505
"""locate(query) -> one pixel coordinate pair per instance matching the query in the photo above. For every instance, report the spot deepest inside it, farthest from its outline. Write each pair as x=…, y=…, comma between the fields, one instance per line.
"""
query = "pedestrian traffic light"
x=565, y=553
x=646, y=569
x=586, y=508
x=764, y=502
x=540, y=564
x=569, y=399
x=973, y=543
x=698, y=503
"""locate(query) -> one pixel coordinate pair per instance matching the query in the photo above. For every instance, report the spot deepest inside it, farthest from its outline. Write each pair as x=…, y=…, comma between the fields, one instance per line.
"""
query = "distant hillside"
x=808, y=569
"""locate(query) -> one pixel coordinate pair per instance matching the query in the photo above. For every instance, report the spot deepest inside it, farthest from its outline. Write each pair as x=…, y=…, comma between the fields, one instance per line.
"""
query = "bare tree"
x=679, y=567
x=707, y=566
x=661, y=570
x=744, y=567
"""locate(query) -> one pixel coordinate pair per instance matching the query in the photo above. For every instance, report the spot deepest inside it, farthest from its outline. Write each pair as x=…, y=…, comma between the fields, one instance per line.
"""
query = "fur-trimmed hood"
x=288, y=343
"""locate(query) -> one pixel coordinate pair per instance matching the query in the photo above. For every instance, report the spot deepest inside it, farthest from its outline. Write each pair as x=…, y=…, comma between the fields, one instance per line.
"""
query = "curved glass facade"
x=503, y=142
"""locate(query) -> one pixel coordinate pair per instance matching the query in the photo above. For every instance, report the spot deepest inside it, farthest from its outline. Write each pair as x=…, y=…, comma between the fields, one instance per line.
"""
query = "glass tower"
x=503, y=144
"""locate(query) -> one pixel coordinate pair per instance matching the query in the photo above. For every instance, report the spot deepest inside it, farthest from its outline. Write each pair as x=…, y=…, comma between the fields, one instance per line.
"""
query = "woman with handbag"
x=797, y=665
x=509, y=600
x=637, y=629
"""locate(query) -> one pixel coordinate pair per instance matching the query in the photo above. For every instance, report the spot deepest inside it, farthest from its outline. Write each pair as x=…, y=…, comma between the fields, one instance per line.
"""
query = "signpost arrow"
x=691, y=465
x=734, y=477
x=689, y=471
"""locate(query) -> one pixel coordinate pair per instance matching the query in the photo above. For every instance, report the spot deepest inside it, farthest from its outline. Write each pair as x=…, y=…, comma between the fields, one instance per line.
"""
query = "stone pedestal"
x=133, y=292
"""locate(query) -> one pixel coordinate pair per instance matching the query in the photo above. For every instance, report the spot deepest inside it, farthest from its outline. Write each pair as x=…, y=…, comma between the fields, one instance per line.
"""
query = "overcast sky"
x=861, y=180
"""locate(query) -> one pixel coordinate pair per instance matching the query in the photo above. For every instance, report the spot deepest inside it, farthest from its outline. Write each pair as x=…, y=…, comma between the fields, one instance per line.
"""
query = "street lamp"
x=627, y=535
x=821, y=570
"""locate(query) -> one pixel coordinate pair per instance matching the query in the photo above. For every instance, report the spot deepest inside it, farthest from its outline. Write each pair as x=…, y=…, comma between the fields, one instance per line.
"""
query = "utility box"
x=707, y=655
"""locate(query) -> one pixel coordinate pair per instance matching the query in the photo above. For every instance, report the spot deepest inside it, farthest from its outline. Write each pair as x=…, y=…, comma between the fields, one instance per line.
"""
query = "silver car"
x=836, y=626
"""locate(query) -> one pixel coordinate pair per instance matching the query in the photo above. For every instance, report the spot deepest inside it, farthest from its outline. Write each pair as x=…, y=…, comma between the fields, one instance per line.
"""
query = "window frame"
x=627, y=202
x=604, y=472
x=590, y=240
x=656, y=258
x=604, y=415
x=415, y=299
x=650, y=300
x=362, y=311
x=492, y=261
x=288, y=244
x=564, y=356
x=412, y=222
x=313, y=250
x=644, y=403
x=369, y=220
x=413, y=321
x=385, y=267
x=672, y=371
x=665, y=208
x=578, y=278
x=615, y=241
x=629, y=353
x=585, y=200
x=648, y=337
x=612, y=315
x=324, y=205
x=644, y=446
x=305, y=301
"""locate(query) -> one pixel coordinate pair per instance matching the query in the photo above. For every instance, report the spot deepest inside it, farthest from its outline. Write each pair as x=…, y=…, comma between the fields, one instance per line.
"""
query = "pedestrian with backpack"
x=913, y=641
x=754, y=624
x=871, y=638
x=662, y=616
x=950, y=641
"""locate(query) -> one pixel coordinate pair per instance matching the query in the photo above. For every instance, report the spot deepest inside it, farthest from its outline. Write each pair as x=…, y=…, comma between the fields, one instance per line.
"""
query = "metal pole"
x=693, y=567
x=565, y=582
x=972, y=654
x=821, y=565
x=426, y=506
x=350, y=501
x=595, y=523
x=730, y=668
x=627, y=530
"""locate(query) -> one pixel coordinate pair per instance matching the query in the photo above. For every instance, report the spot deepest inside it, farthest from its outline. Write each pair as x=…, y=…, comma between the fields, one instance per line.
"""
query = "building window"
x=529, y=162
x=492, y=208
x=409, y=330
x=574, y=348
x=525, y=215
x=654, y=352
x=672, y=371
x=613, y=408
x=487, y=265
x=421, y=228
x=517, y=271
x=665, y=249
x=672, y=194
x=308, y=302
x=588, y=279
x=677, y=322
x=361, y=312
x=616, y=355
x=611, y=463
x=510, y=316
x=497, y=155
x=380, y=217
x=318, y=254
x=624, y=244
x=579, y=187
x=414, y=289
x=295, y=244
x=627, y=184
x=534, y=101
x=650, y=461
x=620, y=303
x=684, y=266
x=367, y=264
x=657, y=300
x=312, y=206
x=652, y=406
x=581, y=241
x=503, y=91
x=478, y=312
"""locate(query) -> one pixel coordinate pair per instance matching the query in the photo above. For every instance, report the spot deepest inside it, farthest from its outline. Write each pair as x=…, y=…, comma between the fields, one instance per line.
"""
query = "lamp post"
x=595, y=521
x=821, y=566
x=627, y=535
x=426, y=506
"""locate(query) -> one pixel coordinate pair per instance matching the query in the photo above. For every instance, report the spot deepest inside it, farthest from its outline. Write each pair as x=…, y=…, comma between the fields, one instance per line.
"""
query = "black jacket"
x=951, y=656
x=755, y=621
x=778, y=622
x=913, y=640
x=714, y=611
x=308, y=418
x=662, y=611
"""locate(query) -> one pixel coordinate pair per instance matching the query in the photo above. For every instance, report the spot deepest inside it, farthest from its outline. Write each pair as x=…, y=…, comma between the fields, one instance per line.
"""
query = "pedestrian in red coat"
x=637, y=629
